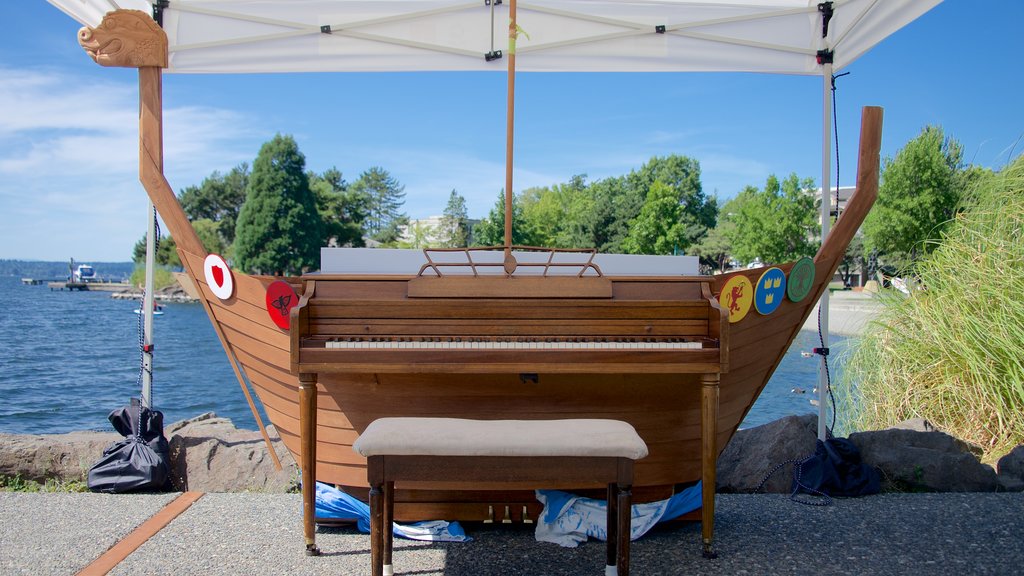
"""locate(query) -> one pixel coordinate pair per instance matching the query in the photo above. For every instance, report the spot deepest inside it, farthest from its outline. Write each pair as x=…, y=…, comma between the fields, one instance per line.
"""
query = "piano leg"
x=307, y=441
x=709, y=457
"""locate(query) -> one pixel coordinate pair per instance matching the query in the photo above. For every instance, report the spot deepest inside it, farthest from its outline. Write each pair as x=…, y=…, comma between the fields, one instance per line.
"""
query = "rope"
x=835, y=130
x=142, y=315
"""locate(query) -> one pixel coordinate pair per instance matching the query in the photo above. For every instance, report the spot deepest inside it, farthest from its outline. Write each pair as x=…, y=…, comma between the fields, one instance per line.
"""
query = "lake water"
x=68, y=358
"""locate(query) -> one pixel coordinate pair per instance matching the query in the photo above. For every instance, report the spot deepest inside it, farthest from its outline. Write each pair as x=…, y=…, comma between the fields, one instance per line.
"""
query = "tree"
x=418, y=235
x=279, y=229
x=714, y=249
x=455, y=222
x=775, y=224
x=342, y=211
x=218, y=199
x=384, y=197
x=491, y=230
x=659, y=227
x=917, y=198
x=167, y=250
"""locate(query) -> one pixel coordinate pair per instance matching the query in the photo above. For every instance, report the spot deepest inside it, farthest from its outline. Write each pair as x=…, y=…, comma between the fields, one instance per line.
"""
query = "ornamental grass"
x=952, y=351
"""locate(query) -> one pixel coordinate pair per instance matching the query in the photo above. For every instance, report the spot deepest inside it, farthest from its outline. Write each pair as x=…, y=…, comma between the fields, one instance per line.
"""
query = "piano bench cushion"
x=462, y=437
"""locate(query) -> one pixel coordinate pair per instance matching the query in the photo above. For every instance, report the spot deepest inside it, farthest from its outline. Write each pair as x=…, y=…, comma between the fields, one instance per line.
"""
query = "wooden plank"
x=118, y=552
x=242, y=341
x=475, y=309
x=693, y=331
x=505, y=287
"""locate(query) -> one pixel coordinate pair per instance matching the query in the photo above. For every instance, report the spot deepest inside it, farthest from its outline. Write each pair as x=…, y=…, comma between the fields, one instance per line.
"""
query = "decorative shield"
x=218, y=277
x=736, y=296
x=801, y=278
x=769, y=291
x=281, y=298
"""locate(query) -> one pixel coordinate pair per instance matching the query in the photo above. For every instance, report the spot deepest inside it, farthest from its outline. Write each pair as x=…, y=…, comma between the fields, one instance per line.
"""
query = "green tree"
x=279, y=229
x=167, y=249
x=715, y=248
x=775, y=224
x=918, y=196
x=659, y=227
x=342, y=211
x=455, y=222
x=418, y=235
x=384, y=197
x=491, y=230
x=219, y=199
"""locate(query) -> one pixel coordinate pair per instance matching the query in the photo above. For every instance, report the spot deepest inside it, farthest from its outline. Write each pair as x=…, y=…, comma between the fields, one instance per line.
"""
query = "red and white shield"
x=218, y=277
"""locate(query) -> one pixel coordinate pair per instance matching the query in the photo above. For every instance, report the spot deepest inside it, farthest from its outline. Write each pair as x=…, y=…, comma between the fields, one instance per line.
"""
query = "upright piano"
x=524, y=338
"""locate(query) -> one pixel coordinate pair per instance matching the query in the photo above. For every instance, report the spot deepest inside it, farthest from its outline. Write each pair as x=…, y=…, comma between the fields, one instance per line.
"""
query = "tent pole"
x=826, y=210
x=147, y=309
x=510, y=121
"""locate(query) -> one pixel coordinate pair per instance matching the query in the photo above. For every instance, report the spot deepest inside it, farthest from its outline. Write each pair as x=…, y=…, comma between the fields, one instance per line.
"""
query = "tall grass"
x=953, y=352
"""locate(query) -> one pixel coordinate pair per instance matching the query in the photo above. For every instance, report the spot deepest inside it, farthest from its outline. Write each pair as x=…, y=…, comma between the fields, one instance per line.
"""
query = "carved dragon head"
x=126, y=38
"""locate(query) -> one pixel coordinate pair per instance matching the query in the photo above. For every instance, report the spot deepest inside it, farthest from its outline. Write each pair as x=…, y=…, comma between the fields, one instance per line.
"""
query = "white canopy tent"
x=770, y=36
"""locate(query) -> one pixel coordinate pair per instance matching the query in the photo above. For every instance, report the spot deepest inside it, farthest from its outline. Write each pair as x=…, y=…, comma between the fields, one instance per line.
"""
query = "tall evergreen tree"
x=279, y=229
x=384, y=197
x=455, y=222
x=342, y=210
x=491, y=230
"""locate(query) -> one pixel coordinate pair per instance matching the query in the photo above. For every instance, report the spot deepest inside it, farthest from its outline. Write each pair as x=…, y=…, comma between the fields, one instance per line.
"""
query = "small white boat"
x=158, y=310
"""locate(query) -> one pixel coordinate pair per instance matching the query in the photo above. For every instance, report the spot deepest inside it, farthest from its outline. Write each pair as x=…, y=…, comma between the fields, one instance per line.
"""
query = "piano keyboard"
x=455, y=343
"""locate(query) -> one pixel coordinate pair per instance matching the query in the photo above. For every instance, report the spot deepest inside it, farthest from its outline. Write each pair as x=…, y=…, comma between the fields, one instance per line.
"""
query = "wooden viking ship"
x=681, y=358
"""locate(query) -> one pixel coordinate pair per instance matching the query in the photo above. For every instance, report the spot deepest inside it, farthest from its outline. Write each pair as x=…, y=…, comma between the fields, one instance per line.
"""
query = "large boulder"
x=42, y=457
x=918, y=461
x=208, y=454
x=754, y=453
x=1010, y=469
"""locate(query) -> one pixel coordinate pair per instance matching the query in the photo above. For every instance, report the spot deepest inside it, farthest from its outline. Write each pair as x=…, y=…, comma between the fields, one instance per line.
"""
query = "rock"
x=1010, y=469
x=753, y=453
x=42, y=457
x=208, y=454
x=916, y=424
x=910, y=460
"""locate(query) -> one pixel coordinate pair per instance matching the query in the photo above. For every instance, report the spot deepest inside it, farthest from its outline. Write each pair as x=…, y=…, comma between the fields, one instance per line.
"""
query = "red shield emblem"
x=280, y=301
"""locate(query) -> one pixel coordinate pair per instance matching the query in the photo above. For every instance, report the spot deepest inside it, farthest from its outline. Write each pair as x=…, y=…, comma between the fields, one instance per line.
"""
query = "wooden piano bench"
x=528, y=453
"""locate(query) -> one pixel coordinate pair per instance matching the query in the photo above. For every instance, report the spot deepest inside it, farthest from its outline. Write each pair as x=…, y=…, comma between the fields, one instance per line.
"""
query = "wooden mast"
x=510, y=123
x=143, y=45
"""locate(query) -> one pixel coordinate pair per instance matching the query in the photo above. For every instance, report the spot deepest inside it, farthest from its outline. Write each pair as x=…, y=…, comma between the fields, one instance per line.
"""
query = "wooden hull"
x=664, y=408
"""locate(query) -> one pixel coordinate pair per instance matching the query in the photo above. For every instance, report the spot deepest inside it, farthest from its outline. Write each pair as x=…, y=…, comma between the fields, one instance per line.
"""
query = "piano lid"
x=410, y=261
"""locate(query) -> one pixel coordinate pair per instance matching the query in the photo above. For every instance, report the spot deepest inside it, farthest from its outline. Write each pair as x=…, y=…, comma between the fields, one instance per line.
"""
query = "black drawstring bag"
x=138, y=462
x=835, y=469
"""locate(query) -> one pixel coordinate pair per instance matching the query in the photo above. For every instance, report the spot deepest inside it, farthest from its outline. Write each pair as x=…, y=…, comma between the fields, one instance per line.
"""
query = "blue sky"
x=68, y=128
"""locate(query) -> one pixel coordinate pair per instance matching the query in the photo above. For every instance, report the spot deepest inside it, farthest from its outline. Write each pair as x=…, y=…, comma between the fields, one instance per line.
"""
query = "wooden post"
x=307, y=446
x=709, y=457
x=510, y=121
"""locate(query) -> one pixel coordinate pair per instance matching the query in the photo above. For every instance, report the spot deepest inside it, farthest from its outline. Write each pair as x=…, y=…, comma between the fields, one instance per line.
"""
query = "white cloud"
x=69, y=162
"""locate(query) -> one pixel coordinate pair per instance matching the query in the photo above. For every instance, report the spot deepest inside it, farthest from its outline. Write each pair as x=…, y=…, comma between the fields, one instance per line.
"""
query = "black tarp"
x=141, y=461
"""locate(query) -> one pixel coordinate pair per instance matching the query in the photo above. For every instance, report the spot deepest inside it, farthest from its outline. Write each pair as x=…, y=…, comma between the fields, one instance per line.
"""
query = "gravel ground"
x=894, y=534
x=61, y=533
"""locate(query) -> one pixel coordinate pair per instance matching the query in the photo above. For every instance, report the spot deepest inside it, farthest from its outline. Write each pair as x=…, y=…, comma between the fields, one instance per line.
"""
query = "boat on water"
x=84, y=273
x=467, y=333
x=158, y=310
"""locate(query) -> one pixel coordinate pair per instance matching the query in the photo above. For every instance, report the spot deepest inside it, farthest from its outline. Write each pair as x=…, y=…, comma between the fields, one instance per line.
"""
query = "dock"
x=90, y=286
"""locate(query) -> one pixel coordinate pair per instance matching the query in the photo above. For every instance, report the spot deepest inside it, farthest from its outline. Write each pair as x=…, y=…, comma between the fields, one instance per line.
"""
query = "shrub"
x=953, y=351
